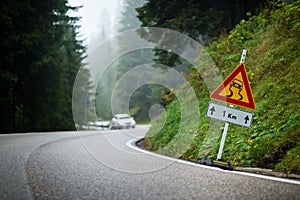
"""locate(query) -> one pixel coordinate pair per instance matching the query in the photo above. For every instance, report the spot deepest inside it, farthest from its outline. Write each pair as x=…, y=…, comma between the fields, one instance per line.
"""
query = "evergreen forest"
x=40, y=57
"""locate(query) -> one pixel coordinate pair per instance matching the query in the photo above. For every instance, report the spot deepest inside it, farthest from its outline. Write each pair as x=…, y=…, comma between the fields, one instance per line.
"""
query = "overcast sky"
x=96, y=13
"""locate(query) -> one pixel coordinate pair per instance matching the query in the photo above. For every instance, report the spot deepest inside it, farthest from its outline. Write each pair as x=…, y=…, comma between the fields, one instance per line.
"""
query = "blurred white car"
x=123, y=121
x=101, y=123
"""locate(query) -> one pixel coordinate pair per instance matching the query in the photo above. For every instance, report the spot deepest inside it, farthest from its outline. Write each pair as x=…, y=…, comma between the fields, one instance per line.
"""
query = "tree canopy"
x=39, y=61
x=202, y=20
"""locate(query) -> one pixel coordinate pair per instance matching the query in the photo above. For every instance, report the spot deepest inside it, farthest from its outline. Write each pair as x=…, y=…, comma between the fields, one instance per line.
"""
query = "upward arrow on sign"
x=235, y=89
x=212, y=110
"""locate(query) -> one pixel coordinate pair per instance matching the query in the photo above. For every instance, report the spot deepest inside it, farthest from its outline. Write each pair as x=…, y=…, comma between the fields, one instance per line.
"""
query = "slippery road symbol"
x=238, y=85
x=235, y=89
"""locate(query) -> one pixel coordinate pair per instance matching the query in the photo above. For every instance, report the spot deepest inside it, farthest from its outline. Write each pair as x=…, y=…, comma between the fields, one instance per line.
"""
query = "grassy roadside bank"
x=273, y=142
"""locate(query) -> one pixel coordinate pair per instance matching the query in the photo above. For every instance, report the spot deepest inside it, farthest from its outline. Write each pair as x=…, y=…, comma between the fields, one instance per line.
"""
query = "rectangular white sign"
x=228, y=114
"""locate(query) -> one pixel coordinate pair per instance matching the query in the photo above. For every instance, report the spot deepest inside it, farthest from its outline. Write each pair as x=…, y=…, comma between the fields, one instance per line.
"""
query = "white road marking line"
x=131, y=144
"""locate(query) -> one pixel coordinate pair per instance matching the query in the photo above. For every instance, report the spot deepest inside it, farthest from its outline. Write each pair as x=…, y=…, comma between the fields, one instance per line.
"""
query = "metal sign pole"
x=226, y=123
x=223, y=139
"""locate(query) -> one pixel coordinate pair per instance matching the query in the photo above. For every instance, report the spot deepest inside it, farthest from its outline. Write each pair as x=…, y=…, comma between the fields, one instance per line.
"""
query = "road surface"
x=106, y=165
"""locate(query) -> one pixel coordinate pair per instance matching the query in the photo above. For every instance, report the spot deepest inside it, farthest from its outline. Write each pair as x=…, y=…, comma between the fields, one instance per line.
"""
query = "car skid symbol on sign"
x=228, y=114
x=235, y=89
x=238, y=85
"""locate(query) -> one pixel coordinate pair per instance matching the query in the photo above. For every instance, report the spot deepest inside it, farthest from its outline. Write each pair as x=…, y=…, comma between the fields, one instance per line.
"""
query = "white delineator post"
x=243, y=57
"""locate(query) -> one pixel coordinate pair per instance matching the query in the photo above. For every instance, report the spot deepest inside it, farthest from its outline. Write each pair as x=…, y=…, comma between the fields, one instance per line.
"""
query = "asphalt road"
x=105, y=165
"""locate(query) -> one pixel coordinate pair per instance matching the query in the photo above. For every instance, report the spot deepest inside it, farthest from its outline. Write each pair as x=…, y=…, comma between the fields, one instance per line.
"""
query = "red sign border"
x=239, y=69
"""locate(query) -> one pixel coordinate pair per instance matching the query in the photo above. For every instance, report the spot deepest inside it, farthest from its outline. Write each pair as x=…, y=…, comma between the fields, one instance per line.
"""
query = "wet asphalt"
x=101, y=165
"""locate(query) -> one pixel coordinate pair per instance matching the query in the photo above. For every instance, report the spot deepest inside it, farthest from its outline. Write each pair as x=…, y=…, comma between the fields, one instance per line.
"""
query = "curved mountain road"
x=105, y=165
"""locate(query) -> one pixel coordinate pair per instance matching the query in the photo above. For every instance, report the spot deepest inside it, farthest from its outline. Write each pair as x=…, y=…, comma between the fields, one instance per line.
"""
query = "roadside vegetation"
x=273, y=56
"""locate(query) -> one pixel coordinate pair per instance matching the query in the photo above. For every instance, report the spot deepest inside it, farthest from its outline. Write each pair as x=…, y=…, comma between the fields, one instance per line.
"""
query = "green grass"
x=272, y=63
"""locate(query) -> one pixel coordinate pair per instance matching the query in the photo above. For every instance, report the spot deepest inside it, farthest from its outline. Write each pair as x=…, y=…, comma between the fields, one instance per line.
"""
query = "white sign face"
x=228, y=114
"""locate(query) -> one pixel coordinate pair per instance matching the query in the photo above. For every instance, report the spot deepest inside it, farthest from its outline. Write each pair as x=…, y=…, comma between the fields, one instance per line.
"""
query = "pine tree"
x=38, y=66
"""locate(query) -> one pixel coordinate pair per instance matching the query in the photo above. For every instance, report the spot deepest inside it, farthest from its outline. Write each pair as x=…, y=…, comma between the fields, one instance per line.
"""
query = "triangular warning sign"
x=235, y=89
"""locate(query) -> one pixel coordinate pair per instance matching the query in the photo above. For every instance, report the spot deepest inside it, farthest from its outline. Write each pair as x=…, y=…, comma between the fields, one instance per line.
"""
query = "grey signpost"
x=243, y=57
x=229, y=115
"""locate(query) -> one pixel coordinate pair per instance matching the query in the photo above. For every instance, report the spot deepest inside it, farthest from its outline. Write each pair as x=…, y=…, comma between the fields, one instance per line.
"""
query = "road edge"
x=132, y=144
